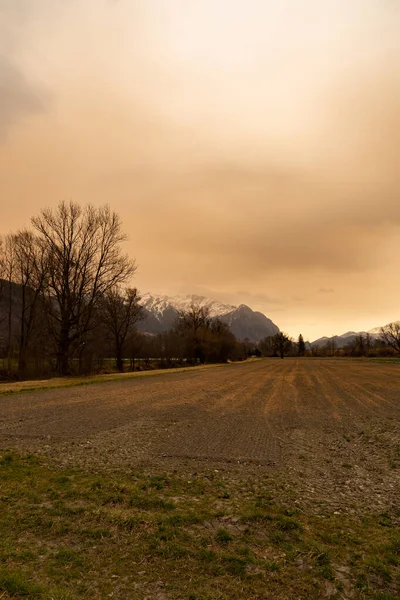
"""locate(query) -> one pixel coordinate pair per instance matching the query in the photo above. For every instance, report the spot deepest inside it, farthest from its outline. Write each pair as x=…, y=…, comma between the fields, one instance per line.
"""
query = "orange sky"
x=251, y=147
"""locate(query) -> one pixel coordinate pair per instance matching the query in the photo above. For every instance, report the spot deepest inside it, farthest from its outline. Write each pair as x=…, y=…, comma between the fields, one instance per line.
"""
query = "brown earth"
x=322, y=433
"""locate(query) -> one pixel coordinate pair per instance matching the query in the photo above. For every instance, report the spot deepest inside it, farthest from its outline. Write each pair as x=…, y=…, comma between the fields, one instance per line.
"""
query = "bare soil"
x=323, y=433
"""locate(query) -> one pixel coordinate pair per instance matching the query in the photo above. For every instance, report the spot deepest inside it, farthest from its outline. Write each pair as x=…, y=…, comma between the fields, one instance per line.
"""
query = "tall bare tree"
x=192, y=325
x=2, y=272
x=390, y=334
x=2, y=297
x=120, y=312
x=85, y=261
x=30, y=273
x=8, y=270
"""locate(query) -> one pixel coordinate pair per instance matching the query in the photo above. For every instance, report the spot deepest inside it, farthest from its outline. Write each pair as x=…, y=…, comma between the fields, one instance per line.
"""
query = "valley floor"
x=321, y=436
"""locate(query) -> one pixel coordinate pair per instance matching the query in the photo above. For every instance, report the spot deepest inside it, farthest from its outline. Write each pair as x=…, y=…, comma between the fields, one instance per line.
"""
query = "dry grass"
x=62, y=382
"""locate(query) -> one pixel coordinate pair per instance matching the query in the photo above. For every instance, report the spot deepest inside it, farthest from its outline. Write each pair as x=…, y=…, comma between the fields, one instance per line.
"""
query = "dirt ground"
x=322, y=433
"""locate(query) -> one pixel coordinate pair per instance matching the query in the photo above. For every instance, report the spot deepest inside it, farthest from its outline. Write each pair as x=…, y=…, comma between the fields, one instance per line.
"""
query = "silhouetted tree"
x=301, y=347
x=267, y=346
x=192, y=325
x=120, y=312
x=8, y=268
x=199, y=337
x=390, y=334
x=30, y=273
x=330, y=347
x=282, y=343
x=220, y=342
x=84, y=262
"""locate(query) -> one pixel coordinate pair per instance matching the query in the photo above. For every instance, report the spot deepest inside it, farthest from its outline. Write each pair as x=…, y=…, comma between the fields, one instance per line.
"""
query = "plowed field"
x=325, y=431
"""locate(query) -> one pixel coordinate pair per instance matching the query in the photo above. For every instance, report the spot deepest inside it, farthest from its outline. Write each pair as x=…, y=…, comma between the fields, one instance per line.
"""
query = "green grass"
x=69, y=534
x=16, y=584
x=223, y=536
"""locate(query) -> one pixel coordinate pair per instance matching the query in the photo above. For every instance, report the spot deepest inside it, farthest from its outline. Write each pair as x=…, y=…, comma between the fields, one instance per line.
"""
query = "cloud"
x=18, y=96
x=21, y=95
x=246, y=146
x=258, y=298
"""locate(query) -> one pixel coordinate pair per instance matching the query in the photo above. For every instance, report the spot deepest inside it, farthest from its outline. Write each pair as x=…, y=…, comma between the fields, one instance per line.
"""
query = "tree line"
x=387, y=344
x=66, y=303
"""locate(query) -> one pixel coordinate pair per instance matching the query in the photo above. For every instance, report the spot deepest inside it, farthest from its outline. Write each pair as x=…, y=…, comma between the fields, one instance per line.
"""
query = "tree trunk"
x=62, y=363
x=22, y=337
x=120, y=361
x=63, y=352
x=9, y=350
x=22, y=362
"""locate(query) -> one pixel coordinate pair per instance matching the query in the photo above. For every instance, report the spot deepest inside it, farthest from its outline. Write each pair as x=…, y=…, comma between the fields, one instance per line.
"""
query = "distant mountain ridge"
x=161, y=313
x=347, y=338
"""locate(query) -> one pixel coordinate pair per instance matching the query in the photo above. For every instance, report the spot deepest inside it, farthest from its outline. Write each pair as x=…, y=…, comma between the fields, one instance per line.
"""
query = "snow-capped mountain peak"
x=158, y=304
x=162, y=312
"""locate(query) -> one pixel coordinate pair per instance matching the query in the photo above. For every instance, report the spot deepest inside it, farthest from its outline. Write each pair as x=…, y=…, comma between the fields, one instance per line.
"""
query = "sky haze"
x=250, y=147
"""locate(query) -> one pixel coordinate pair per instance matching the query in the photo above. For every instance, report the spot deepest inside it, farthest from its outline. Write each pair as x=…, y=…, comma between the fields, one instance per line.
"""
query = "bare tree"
x=134, y=345
x=2, y=272
x=8, y=268
x=368, y=344
x=85, y=261
x=282, y=343
x=120, y=312
x=194, y=318
x=362, y=344
x=390, y=334
x=2, y=299
x=30, y=272
x=2, y=257
x=267, y=346
x=192, y=325
x=221, y=342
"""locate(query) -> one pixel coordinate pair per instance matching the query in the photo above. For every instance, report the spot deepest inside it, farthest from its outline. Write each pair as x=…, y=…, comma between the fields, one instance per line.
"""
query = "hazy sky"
x=251, y=147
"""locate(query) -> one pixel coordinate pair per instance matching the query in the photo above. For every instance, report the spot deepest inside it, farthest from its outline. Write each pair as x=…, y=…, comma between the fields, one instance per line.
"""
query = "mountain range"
x=347, y=338
x=161, y=313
